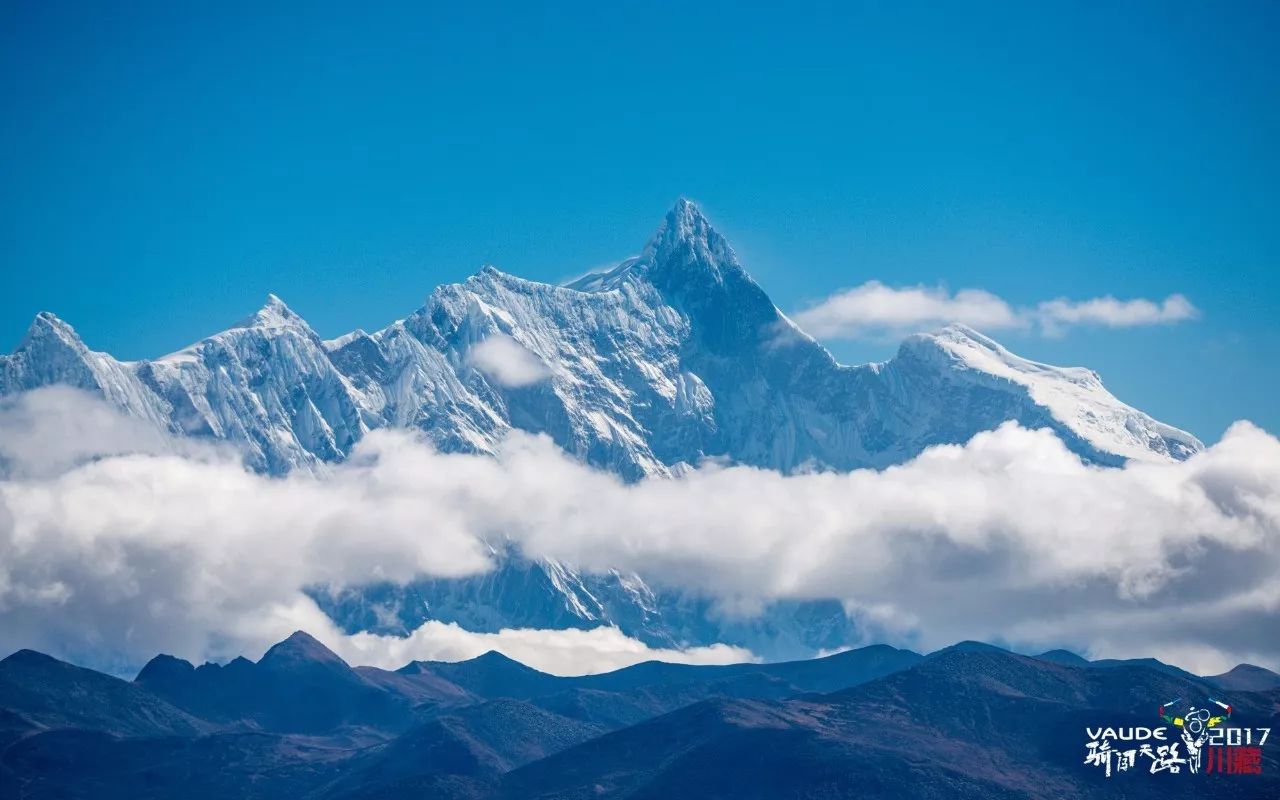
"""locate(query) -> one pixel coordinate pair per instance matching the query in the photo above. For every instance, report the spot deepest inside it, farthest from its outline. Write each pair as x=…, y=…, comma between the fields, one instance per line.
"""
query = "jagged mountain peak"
x=52, y=353
x=685, y=221
x=274, y=317
x=48, y=328
x=491, y=276
x=686, y=256
x=274, y=314
x=688, y=253
x=491, y=272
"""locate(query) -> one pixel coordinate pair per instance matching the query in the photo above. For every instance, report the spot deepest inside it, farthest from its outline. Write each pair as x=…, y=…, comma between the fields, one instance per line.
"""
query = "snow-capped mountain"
x=670, y=358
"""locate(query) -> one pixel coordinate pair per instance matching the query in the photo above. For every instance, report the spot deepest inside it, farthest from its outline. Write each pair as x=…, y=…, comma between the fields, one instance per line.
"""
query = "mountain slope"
x=463, y=751
x=44, y=693
x=266, y=384
x=1070, y=400
x=966, y=724
x=299, y=686
x=1246, y=678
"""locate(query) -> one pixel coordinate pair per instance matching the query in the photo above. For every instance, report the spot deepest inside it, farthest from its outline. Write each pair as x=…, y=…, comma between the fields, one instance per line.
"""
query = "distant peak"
x=490, y=273
x=494, y=657
x=685, y=223
x=345, y=339
x=969, y=646
x=28, y=657
x=300, y=647
x=163, y=667
x=492, y=661
x=959, y=332
x=1247, y=677
x=1061, y=656
x=302, y=639
x=688, y=256
x=276, y=307
x=46, y=328
x=958, y=339
x=489, y=660
x=605, y=280
x=274, y=314
x=685, y=237
x=686, y=212
x=1247, y=668
x=965, y=346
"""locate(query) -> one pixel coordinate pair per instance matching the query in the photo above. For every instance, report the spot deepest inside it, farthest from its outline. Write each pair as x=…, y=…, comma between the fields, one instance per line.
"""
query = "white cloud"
x=507, y=361
x=874, y=309
x=1007, y=537
x=1113, y=313
x=559, y=652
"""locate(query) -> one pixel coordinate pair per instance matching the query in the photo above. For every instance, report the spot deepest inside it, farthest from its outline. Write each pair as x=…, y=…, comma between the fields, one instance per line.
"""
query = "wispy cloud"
x=1112, y=313
x=507, y=361
x=875, y=309
x=1009, y=536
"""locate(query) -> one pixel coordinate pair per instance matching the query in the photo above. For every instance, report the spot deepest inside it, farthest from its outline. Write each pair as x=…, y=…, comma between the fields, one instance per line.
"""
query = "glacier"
x=671, y=358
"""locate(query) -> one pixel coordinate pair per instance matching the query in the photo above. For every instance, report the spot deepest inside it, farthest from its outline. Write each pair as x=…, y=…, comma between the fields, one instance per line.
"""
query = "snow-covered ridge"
x=673, y=356
x=1073, y=395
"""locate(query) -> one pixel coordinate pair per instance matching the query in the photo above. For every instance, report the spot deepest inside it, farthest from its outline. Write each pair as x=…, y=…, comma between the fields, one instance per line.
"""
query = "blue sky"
x=164, y=168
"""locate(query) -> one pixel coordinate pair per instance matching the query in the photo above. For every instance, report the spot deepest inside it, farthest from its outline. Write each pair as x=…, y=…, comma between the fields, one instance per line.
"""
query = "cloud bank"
x=1007, y=538
x=874, y=309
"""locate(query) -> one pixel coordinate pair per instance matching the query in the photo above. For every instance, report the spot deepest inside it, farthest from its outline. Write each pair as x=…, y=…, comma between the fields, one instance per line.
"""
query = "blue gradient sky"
x=164, y=169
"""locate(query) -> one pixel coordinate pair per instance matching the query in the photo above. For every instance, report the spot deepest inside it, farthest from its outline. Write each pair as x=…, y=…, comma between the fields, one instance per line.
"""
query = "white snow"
x=1074, y=396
